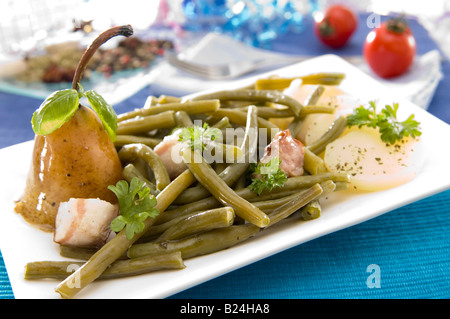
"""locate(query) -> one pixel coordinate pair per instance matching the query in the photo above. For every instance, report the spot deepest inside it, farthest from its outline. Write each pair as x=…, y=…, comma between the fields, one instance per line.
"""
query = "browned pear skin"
x=78, y=160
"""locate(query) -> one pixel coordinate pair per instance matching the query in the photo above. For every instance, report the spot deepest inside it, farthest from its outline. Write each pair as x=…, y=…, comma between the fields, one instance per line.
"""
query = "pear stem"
x=125, y=30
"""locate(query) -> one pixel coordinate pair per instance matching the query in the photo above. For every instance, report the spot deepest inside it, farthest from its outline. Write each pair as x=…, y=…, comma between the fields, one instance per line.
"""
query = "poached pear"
x=76, y=160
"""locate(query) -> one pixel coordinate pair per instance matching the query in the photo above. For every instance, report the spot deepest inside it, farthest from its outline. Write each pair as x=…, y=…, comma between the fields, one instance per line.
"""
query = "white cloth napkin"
x=418, y=84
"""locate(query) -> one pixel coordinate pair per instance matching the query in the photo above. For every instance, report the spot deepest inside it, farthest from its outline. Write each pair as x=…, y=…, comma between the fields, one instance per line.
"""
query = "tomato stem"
x=397, y=25
x=125, y=30
x=325, y=28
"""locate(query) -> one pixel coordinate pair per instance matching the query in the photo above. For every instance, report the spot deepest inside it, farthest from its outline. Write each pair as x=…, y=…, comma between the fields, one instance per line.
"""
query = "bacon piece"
x=169, y=152
x=289, y=150
x=84, y=222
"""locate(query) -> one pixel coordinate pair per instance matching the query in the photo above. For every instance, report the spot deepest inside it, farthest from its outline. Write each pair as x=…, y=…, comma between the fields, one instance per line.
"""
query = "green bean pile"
x=208, y=207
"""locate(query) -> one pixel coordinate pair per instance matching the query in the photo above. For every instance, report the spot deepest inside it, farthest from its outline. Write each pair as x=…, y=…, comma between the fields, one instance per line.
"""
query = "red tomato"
x=336, y=26
x=389, y=50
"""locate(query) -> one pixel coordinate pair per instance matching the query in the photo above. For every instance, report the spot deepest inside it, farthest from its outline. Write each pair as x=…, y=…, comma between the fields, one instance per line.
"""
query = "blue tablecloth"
x=410, y=245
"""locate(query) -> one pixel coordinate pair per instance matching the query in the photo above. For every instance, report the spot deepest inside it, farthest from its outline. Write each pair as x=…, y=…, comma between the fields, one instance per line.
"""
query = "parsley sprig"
x=198, y=136
x=136, y=204
x=267, y=176
x=391, y=129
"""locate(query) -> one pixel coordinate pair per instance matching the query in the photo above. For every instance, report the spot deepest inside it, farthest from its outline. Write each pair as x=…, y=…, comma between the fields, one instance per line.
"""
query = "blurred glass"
x=254, y=22
x=24, y=24
x=27, y=25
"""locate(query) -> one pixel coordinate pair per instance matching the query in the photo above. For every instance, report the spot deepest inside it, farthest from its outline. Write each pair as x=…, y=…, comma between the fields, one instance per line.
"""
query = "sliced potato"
x=372, y=163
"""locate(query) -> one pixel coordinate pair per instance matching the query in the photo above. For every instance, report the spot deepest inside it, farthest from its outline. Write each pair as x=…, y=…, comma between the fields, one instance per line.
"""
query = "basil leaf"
x=57, y=109
x=105, y=112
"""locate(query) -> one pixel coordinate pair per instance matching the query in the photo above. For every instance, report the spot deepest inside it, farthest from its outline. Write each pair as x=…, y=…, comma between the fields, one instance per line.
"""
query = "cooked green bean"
x=241, y=183
x=330, y=135
x=271, y=112
x=184, y=210
x=115, y=248
x=238, y=104
x=150, y=101
x=291, y=185
x=142, y=167
x=273, y=83
x=268, y=205
x=267, y=112
x=230, y=152
x=130, y=152
x=219, y=239
x=253, y=197
x=164, y=99
x=324, y=78
x=211, y=203
x=145, y=124
x=250, y=141
x=130, y=139
x=130, y=171
x=203, y=221
x=121, y=268
x=234, y=171
x=80, y=253
x=219, y=167
x=239, y=117
x=313, y=109
x=157, y=229
x=222, y=123
x=76, y=252
x=313, y=164
x=221, y=191
x=315, y=95
x=295, y=183
x=304, y=198
x=296, y=125
x=342, y=186
x=199, y=244
x=138, y=266
x=183, y=119
x=255, y=95
x=190, y=107
x=312, y=210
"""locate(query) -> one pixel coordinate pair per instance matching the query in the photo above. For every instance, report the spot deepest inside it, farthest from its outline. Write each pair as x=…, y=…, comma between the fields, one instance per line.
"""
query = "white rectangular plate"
x=21, y=243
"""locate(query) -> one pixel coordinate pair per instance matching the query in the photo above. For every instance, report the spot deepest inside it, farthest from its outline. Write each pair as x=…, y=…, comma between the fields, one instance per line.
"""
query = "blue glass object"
x=254, y=22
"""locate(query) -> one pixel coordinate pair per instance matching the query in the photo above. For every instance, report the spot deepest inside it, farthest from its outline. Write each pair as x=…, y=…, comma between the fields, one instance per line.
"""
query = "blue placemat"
x=410, y=245
x=5, y=286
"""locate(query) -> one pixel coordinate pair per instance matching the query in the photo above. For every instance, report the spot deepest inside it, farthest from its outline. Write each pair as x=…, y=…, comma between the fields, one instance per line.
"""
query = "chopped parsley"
x=198, y=136
x=267, y=176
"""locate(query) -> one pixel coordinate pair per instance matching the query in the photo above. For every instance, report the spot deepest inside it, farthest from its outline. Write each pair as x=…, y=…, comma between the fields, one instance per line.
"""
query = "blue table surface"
x=409, y=245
